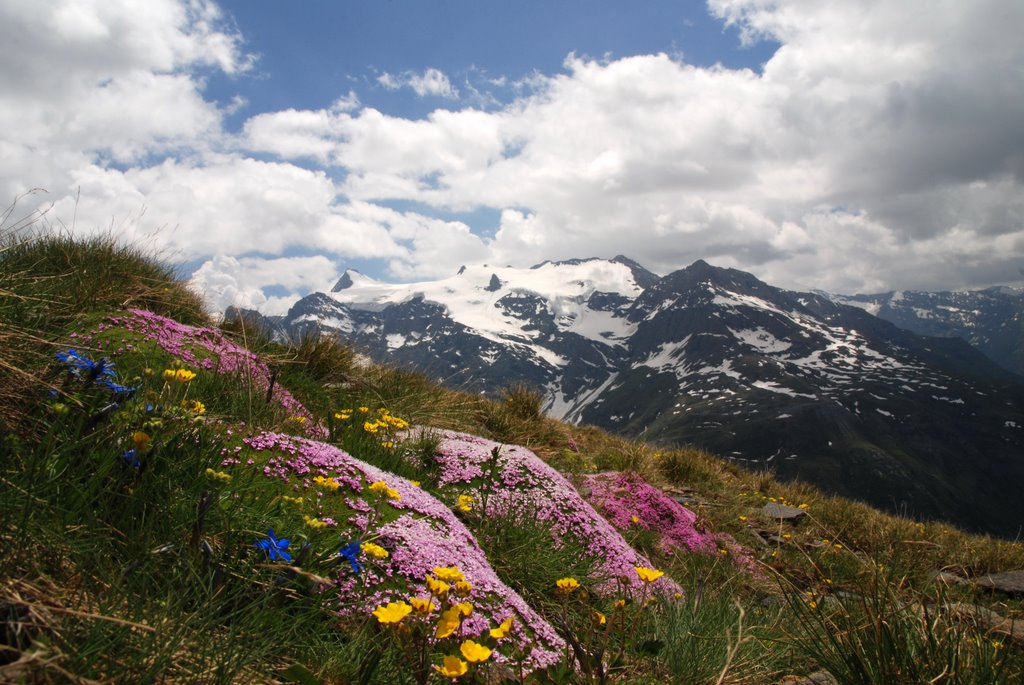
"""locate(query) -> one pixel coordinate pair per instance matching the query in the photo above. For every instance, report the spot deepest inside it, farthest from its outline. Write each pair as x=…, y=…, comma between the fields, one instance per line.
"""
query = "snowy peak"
x=798, y=382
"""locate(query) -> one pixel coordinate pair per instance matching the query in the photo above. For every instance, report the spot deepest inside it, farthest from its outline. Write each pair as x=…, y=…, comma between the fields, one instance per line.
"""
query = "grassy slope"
x=112, y=573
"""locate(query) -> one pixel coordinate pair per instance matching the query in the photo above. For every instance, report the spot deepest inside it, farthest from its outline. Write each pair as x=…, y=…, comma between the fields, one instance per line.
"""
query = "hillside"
x=793, y=382
x=183, y=503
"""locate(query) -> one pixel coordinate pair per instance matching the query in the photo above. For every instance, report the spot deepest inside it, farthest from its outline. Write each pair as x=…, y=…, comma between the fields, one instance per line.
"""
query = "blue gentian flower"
x=131, y=457
x=75, y=362
x=123, y=390
x=350, y=552
x=275, y=548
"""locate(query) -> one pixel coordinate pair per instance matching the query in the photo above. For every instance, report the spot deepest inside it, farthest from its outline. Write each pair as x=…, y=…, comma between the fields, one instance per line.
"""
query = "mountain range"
x=836, y=390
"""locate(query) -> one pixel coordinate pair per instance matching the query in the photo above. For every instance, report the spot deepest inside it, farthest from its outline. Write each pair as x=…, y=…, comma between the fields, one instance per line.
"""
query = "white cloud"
x=430, y=82
x=879, y=148
x=225, y=281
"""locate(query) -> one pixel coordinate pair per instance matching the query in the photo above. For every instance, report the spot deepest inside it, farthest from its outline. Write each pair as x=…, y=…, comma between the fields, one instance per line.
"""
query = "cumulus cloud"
x=225, y=281
x=878, y=148
x=430, y=82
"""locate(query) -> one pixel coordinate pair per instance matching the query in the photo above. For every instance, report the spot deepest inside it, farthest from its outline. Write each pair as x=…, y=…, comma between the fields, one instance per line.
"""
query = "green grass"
x=143, y=569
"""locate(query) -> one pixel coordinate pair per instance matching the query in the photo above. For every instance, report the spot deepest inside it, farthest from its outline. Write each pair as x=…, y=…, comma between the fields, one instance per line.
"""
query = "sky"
x=265, y=146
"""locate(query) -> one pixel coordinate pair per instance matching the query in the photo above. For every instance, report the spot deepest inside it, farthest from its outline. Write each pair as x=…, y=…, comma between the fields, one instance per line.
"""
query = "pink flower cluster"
x=520, y=480
x=425, y=535
x=207, y=348
x=621, y=496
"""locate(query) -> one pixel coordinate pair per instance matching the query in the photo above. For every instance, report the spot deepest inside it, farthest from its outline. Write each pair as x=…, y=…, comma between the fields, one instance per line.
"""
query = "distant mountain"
x=796, y=382
x=992, y=320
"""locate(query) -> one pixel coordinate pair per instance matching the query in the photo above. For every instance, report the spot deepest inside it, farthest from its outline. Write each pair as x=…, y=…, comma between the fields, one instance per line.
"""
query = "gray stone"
x=819, y=678
x=782, y=512
x=1011, y=582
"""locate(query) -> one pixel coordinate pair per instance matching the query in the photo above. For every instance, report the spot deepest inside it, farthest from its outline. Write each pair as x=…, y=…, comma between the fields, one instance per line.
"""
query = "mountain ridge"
x=800, y=383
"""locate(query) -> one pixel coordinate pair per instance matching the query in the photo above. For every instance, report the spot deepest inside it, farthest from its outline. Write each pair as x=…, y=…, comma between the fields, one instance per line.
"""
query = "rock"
x=818, y=678
x=989, y=620
x=1011, y=582
x=947, y=578
x=782, y=512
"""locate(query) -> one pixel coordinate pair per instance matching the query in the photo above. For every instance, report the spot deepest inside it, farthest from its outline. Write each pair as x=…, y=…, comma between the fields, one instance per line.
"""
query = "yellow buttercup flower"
x=648, y=575
x=184, y=375
x=438, y=588
x=422, y=606
x=141, y=441
x=386, y=490
x=453, y=667
x=392, y=613
x=474, y=652
x=465, y=502
x=314, y=523
x=363, y=410
x=194, y=406
x=465, y=608
x=328, y=484
x=449, y=574
x=463, y=588
x=599, y=619
x=502, y=630
x=343, y=415
x=448, y=623
x=169, y=374
x=297, y=501
x=375, y=551
x=567, y=585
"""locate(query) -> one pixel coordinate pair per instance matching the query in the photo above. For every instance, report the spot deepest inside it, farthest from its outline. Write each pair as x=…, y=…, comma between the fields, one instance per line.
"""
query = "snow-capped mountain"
x=992, y=319
x=796, y=382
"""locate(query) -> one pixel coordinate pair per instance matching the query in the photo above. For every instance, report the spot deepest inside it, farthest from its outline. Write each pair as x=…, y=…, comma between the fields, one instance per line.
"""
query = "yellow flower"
x=363, y=410
x=837, y=546
x=375, y=551
x=567, y=585
x=314, y=523
x=438, y=588
x=388, y=444
x=300, y=420
x=370, y=426
x=453, y=667
x=449, y=574
x=620, y=604
x=997, y=644
x=297, y=501
x=804, y=506
x=474, y=652
x=634, y=518
x=743, y=518
x=724, y=552
x=812, y=604
x=169, y=374
x=383, y=488
x=463, y=588
x=465, y=502
x=184, y=375
x=648, y=575
x=218, y=476
x=465, y=608
x=343, y=415
x=448, y=623
x=415, y=482
x=502, y=630
x=422, y=606
x=328, y=484
x=599, y=619
x=392, y=613
x=786, y=536
x=194, y=406
x=141, y=441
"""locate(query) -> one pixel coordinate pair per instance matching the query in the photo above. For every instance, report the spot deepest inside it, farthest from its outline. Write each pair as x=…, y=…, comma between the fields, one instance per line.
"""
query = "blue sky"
x=310, y=52
x=852, y=146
